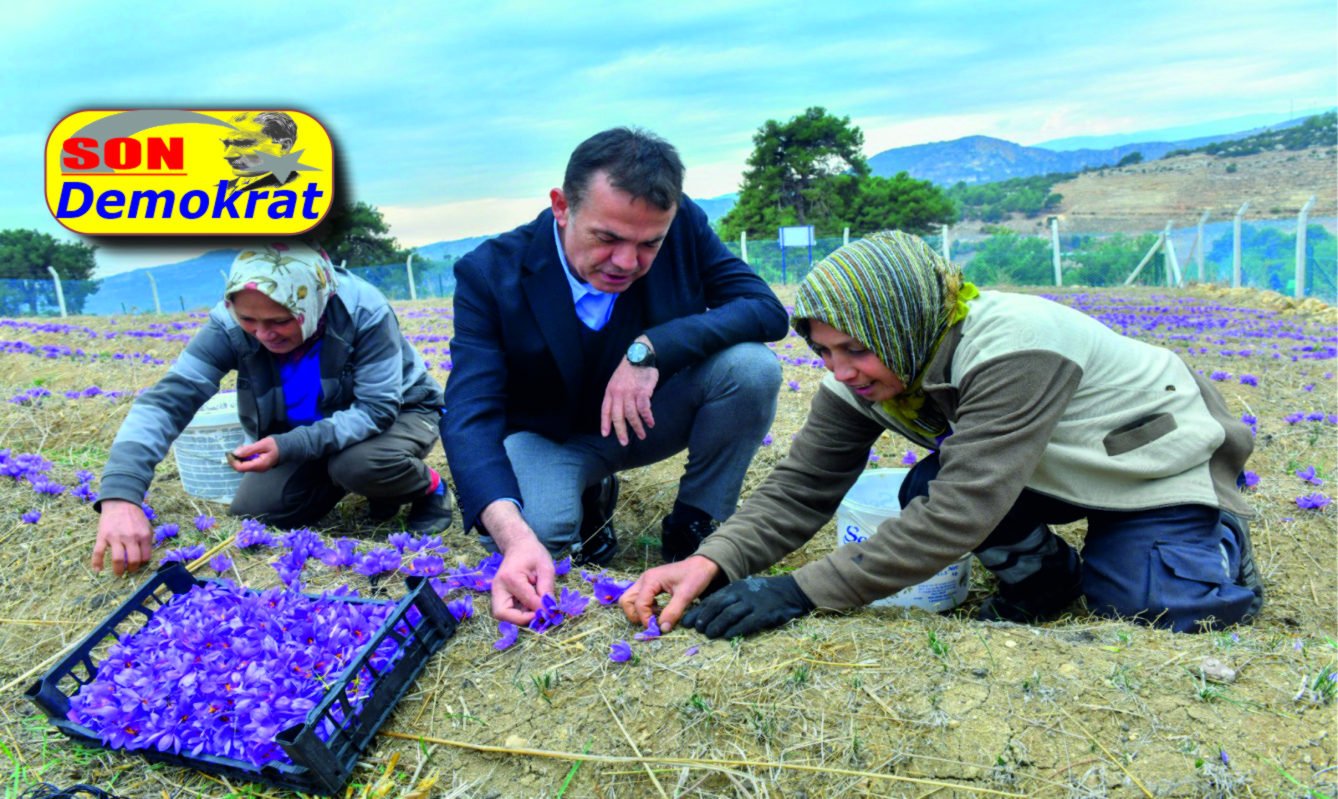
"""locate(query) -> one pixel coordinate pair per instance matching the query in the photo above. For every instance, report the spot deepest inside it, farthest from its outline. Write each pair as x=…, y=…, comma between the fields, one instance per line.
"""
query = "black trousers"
x=387, y=467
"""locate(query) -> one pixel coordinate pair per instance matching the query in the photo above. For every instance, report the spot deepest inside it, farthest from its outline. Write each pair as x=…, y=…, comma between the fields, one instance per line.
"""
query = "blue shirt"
x=302, y=386
x=593, y=307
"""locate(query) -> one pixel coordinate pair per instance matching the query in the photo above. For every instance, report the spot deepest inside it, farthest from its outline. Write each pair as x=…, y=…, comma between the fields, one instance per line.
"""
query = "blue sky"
x=457, y=118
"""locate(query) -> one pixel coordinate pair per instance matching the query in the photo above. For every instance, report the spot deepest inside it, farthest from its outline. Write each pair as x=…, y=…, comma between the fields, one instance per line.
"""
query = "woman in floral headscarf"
x=334, y=398
x=1039, y=415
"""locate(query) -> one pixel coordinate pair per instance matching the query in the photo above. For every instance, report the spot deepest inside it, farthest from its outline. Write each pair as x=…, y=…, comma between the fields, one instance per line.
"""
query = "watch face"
x=637, y=352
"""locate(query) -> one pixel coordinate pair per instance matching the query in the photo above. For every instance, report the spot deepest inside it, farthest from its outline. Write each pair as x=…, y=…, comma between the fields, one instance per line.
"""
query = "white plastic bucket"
x=872, y=500
x=201, y=450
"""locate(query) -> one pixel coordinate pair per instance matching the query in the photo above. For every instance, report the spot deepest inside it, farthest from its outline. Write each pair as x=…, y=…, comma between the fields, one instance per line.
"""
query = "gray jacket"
x=369, y=375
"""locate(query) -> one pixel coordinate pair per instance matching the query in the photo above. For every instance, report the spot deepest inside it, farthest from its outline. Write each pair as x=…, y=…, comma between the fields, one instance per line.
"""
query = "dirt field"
x=1143, y=196
x=870, y=703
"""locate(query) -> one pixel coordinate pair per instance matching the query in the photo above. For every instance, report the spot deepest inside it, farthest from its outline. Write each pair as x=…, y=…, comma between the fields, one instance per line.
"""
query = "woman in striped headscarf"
x=1037, y=415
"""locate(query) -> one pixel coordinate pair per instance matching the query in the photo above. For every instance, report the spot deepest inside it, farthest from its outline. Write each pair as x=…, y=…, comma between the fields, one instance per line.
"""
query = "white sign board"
x=797, y=236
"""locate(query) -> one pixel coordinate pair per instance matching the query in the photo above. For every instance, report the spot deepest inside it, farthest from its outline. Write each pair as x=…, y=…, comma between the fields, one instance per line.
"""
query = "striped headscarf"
x=898, y=297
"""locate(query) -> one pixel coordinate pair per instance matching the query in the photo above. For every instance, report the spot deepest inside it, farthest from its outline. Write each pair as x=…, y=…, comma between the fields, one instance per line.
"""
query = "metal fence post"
x=60, y=292
x=154, y=285
x=743, y=246
x=1172, y=263
x=1054, y=248
x=408, y=267
x=225, y=277
x=1203, y=245
x=1156, y=245
x=947, y=248
x=1299, y=291
x=845, y=237
x=1235, y=247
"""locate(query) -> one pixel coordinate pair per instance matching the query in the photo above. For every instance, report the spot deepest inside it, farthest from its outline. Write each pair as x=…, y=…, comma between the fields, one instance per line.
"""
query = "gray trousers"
x=387, y=467
x=718, y=410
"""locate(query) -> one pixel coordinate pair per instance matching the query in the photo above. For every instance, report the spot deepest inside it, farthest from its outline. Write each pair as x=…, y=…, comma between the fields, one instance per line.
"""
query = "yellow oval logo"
x=173, y=172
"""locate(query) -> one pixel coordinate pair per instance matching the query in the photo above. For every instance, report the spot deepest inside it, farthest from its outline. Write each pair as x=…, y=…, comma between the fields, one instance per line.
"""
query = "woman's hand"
x=258, y=457
x=683, y=581
x=125, y=530
x=747, y=606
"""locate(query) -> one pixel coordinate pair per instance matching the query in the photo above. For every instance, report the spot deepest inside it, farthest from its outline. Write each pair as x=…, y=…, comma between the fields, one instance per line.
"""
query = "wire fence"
x=1267, y=261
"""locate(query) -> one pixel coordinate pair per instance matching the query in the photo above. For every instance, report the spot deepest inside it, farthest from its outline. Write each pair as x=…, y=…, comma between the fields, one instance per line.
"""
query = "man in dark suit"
x=612, y=332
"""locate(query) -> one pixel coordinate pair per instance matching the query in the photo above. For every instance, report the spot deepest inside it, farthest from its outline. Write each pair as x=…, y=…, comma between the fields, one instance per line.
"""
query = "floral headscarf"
x=898, y=297
x=292, y=274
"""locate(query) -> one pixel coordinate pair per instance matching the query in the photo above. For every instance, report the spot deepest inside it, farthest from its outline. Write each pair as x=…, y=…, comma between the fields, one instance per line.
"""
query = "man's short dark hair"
x=275, y=124
x=637, y=162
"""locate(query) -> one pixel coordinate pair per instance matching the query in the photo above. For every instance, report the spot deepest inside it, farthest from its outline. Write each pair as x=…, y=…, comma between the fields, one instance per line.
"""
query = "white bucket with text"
x=202, y=449
x=872, y=500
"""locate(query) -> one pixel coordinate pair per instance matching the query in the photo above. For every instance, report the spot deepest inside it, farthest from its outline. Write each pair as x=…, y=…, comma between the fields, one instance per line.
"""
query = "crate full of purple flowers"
x=268, y=686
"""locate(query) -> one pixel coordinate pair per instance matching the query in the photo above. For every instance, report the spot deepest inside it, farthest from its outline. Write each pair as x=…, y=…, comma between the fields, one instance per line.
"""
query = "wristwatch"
x=639, y=354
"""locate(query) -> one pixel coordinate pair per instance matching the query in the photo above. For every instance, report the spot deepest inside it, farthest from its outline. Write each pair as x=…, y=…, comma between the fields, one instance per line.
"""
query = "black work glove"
x=746, y=606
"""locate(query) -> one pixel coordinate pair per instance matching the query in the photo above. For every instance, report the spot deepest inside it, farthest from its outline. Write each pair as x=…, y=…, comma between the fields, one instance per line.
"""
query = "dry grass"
x=870, y=703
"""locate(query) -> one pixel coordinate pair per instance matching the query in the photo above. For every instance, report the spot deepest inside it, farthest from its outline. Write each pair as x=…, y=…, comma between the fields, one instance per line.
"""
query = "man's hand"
x=527, y=571
x=747, y=606
x=125, y=530
x=683, y=581
x=627, y=400
x=258, y=457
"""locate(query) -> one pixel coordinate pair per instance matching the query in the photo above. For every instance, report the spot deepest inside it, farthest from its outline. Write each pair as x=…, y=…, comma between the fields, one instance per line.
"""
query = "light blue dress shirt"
x=593, y=307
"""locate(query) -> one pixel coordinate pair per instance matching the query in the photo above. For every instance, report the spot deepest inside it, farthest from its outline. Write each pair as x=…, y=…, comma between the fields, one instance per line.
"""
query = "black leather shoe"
x=1248, y=577
x=379, y=511
x=1032, y=600
x=431, y=514
x=598, y=542
x=679, y=540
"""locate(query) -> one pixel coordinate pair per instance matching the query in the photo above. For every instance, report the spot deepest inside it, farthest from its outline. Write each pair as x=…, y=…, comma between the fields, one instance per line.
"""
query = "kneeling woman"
x=1039, y=414
x=334, y=397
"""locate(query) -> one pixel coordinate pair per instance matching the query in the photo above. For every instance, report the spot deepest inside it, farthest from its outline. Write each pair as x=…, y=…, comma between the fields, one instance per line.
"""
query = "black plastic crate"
x=320, y=767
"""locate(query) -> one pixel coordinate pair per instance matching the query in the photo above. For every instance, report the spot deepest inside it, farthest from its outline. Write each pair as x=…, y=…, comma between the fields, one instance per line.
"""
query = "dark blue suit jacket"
x=517, y=352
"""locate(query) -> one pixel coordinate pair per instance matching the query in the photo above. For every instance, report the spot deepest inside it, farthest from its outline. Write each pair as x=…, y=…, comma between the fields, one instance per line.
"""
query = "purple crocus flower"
x=1220, y=376
x=509, y=632
x=31, y=517
x=1251, y=479
x=652, y=630
x=165, y=531
x=84, y=476
x=547, y=616
x=793, y=385
x=1308, y=474
x=692, y=650
x=562, y=567
x=571, y=603
x=462, y=608
x=378, y=561
x=426, y=566
x=909, y=459
x=767, y=440
x=609, y=590
x=1294, y=418
x=874, y=458
x=183, y=555
x=402, y=541
x=1312, y=501
x=1249, y=380
x=220, y=563
x=203, y=522
x=254, y=534
x=149, y=513
x=1314, y=416
x=343, y=555
x=620, y=652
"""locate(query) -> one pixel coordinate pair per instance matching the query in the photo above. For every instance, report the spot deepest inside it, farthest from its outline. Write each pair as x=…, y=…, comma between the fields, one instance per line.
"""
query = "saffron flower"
x=562, y=567
x=692, y=650
x=426, y=566
x=165, y=531
x=571, y=603
x=1308, y=474
x=509, y=632
x=402, y=541
x=652, y=630
x=254, y=534
x=767, y=440
x=149, y=513
x=909, y=459
x=1312, y=501
x=1251, y=479
x=1294, y=418
x=1220, y=376
x=203, y=522
x=31, y=517
x=343, y=555
x=620, y=652
x=462, y=608
x=793, y=384
x=84, y=476
x=608, y=590
x=220, y=563
x=182, y=555
x=378, y=561
x=1249, y=380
